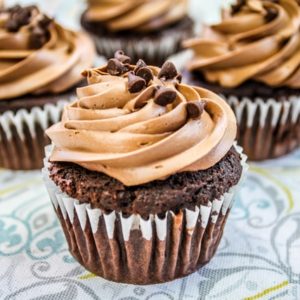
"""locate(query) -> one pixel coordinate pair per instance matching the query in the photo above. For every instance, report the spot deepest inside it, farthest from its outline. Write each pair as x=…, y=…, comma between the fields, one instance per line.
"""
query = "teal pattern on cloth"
x=258, y=258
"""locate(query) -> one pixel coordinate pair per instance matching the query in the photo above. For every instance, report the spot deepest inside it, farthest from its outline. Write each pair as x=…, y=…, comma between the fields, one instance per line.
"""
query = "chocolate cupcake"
x=252, y=59
x=142, y=173
x=151, y=30
x=39, y=70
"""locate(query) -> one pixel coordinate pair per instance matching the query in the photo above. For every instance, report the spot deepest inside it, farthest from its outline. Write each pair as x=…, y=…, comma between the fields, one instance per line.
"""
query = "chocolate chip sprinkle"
x=45, y=21
x=271, y=14
x=236, y=8
x=115, y=67
x=145, y=73
x=168, y=71
x=140, y=64
x=14, y=8
x=135, y=83
x=12, y=25
x=195, y=109
x=119, y=55
x=18, y=17
x=37, y=38
x=164, y=96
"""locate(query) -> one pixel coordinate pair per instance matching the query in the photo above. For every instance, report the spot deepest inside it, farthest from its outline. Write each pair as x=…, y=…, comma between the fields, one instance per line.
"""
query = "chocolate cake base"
x=153, y=47
x=268, y=118
x=168, y=230
x=182, y=190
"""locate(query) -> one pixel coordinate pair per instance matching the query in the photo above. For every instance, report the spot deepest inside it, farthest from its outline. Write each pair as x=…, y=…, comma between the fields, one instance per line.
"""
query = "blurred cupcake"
x=143, y=172
x=152, y=30
x=252, y=59
x=39, y=66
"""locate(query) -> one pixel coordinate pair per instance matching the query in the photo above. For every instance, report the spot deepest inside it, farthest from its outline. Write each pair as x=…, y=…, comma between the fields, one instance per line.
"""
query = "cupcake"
x=142, y=172
x=252, y=59
x=39, y=67
x=152, y=30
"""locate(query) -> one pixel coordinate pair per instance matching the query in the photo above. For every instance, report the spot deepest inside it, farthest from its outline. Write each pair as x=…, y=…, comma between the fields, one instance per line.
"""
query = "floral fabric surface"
x=258, y=258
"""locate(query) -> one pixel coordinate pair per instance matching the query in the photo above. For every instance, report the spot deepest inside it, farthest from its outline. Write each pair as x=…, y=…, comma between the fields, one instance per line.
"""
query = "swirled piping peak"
x=137, y=15
x=256, y=40
x=37, y=55
x=139, y=123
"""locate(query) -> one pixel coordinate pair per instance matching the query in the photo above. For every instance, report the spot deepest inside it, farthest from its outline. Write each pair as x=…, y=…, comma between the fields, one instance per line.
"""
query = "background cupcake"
x=252, y=58
x=152, y=30
x=40, y=63
x=143, y=172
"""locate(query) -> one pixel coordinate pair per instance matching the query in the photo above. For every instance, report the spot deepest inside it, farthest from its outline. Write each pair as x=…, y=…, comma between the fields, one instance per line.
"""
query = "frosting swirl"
x=138, y=137
x=37, y=55
x=257, y=40
x=138, y=15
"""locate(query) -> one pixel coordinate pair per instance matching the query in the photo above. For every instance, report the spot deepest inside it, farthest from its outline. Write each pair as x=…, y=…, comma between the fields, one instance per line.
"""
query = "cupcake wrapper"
x=135, y=250
x=153, y=51
x=267, y=129
x=22, y=137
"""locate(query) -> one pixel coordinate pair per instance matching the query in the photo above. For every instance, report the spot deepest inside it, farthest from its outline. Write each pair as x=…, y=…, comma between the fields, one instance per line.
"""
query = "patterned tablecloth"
x=259, y=256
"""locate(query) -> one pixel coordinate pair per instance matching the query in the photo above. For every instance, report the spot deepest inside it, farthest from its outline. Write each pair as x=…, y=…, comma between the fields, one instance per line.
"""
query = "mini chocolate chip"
x=12, y=25
x=45, y=21
x=37, y=38
x=164, y=96
x=119, y=55
x=115, y=67
x=36, y=42
x=140, y=64
x=23, y=17
x=168, y=71
x=145, y=73
x=18, y=17
x=135, y=83
x=14, y=8
x=235, y=8
x=31, y=7
x=195, y=109
x=272, y=13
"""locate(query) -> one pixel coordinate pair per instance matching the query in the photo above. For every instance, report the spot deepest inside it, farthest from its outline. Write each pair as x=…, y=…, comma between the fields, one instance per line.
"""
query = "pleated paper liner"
x=22, y=136
x=138, y=251
x=267, y=128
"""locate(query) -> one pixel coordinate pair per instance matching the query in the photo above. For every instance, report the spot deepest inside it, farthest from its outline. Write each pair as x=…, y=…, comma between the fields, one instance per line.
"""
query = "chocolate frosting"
x=37, y=55
x=257, y=40
x=138, y=15
x=136, y=137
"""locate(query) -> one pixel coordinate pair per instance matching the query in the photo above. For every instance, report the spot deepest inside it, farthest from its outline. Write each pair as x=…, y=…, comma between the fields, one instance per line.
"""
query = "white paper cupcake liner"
x=134, y=250
x=267, y=128
x=22, y=138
